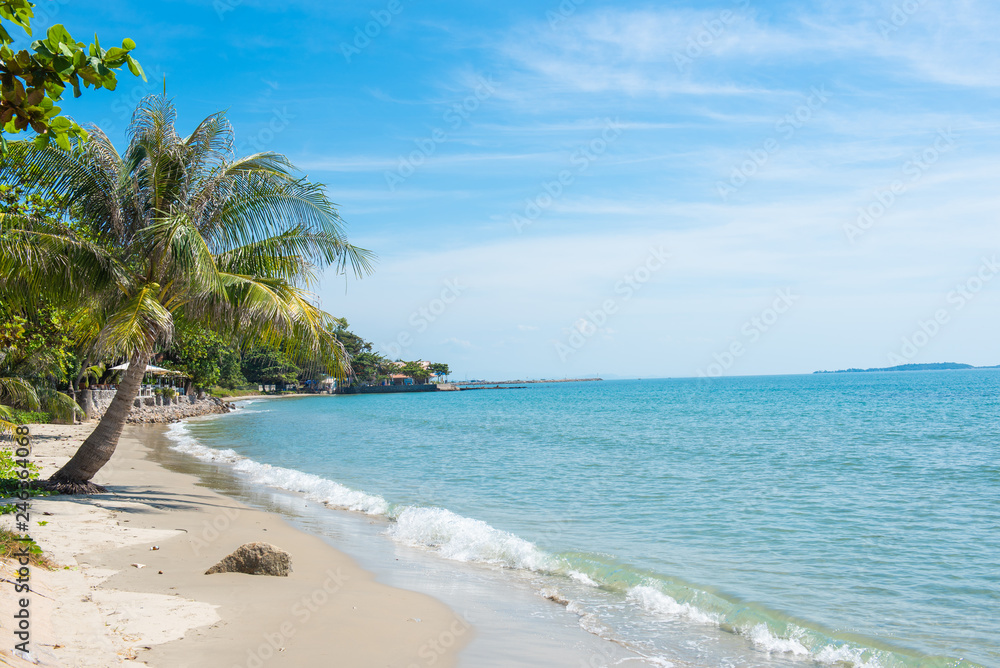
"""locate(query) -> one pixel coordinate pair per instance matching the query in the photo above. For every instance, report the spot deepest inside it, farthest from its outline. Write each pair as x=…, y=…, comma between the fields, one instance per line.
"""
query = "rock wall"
x=154, y=409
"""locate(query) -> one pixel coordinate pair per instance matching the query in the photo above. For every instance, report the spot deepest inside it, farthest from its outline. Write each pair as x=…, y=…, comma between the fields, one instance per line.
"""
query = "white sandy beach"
x=97, y=608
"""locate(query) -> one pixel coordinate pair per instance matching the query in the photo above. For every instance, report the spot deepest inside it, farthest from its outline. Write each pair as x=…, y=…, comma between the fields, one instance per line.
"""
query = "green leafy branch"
x=32, y=81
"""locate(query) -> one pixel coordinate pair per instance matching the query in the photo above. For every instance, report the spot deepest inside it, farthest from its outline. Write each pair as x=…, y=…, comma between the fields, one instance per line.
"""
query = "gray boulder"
x=255, y=559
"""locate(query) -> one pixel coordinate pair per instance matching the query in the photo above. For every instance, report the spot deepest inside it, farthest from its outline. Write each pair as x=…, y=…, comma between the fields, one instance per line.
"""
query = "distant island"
x=936, y=366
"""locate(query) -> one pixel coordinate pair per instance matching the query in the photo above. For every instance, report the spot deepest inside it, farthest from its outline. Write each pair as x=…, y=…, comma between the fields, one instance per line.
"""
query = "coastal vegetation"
x=33, y=81
x=11, y=545
x=172, y=250
x=173, y=238
x=34, y=347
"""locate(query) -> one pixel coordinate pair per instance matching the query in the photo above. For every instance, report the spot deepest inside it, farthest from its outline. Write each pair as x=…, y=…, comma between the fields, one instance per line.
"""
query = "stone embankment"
x=156, y=409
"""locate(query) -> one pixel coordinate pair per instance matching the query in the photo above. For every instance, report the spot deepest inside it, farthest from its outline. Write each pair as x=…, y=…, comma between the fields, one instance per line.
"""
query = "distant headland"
x=519, y=382
x=936, y=366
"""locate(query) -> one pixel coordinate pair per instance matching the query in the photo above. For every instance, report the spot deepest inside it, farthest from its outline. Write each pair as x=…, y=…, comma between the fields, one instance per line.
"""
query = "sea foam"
x=453, y=536
x=189, y=445
x=766, y=640
x=655, y=601
x=460, y=538
x=313, y=487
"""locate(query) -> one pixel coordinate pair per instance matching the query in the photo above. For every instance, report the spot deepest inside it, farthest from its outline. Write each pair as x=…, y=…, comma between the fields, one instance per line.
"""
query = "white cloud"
x=673, y=51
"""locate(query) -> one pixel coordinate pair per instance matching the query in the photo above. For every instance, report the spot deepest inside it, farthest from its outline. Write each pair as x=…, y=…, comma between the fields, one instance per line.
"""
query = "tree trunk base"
x=72, y=487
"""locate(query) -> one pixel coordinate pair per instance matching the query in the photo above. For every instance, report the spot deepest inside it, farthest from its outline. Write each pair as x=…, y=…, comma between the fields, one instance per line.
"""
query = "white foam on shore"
x=465, y=539
x=767, y=641
x=189, y=445
x=589, y=621
x=655, y=601
x=845, y=654
x=461, y=538
x=582, y=578
x=313, y=487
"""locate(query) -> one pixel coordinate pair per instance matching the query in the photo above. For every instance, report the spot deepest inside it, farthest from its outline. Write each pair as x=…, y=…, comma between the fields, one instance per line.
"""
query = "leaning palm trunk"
x=176, y=231
x=74, y=477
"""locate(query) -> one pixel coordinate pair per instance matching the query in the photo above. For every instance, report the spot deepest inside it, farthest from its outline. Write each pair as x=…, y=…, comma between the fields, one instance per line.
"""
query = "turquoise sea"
x=841, y=519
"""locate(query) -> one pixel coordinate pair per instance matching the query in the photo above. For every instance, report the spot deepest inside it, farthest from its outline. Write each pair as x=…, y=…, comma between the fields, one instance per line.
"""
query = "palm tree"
x=175, y=230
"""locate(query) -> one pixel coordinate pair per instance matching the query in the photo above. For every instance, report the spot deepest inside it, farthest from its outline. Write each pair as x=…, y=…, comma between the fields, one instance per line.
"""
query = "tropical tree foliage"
x=440, y=369
x=205, y=357
x=174, y=231
x=32, y=81
x=353, y=344
x=416, y=371
x=35, y=355
x=370, y=366
x=270, y=365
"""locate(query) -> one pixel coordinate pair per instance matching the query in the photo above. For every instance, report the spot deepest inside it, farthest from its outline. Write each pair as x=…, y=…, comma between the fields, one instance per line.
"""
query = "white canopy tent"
x=155, y=370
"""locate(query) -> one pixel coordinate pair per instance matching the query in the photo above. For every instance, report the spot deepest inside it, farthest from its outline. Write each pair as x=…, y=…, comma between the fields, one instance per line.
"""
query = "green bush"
x=8, y=472
x=11, y=545
x=31, y=417
x=222, y=393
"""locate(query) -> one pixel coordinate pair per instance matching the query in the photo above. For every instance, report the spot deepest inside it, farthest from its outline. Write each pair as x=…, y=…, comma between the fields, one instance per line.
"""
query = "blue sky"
x=639, y=189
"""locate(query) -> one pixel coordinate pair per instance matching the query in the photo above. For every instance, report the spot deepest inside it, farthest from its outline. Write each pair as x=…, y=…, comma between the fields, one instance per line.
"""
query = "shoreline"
x=471, y=553
x=96, y=608
x=517, y=619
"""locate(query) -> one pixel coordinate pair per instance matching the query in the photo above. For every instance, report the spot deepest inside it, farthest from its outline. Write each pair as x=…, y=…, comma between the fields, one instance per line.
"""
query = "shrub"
x=10, y=546
x=9, y=483
x=8, y=472
x=222, y=393
x=31, y=417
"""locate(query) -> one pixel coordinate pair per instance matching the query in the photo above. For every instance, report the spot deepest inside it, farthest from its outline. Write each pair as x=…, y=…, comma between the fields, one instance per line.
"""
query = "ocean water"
x=848, y=519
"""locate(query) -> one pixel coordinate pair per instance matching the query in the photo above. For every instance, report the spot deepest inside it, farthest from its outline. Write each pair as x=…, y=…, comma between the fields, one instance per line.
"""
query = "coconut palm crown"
x=176, y=229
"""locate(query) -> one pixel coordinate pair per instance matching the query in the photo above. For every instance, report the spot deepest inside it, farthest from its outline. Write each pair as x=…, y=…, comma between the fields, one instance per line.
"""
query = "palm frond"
x=7, y=424
x=138, y=325
x=178, y=228
x=60, y=405
x=18, y=393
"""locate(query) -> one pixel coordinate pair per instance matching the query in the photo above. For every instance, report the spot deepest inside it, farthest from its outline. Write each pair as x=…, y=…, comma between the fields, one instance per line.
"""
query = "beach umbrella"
x=155, y=370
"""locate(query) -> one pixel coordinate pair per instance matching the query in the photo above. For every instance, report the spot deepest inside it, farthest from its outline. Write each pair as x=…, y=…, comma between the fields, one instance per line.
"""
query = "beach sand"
x=97, y=608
